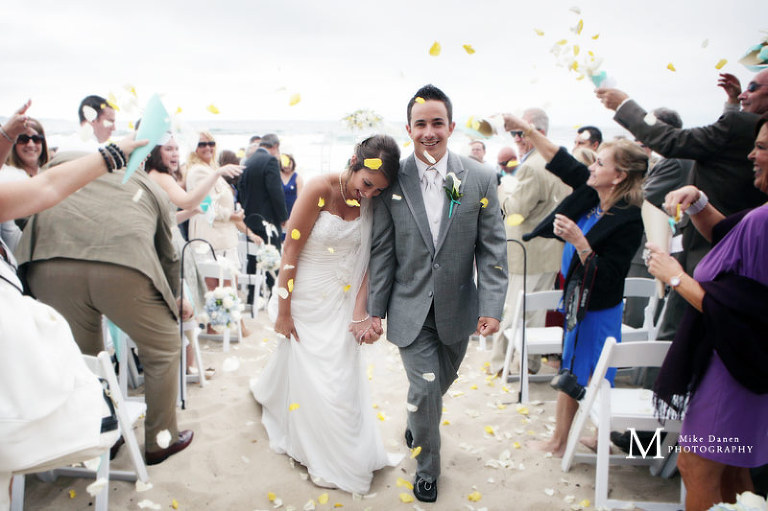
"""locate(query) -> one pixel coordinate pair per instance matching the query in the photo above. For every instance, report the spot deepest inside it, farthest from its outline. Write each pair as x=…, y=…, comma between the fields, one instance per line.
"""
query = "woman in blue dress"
x=292, y=181
x=601, y=224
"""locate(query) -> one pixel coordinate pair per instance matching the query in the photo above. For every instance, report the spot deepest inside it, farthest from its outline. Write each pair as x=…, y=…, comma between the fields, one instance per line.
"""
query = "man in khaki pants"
x=107, y=250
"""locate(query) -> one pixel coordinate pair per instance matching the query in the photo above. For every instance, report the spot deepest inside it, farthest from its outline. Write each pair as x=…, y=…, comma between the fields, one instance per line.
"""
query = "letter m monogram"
x=634, y=440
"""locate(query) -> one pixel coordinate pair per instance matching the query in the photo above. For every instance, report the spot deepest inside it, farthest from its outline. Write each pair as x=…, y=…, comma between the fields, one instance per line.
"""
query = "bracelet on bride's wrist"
x=366, y=318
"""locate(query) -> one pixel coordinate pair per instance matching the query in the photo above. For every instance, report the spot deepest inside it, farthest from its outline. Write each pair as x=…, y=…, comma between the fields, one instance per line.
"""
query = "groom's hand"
x=487, y=326
x=376, y=325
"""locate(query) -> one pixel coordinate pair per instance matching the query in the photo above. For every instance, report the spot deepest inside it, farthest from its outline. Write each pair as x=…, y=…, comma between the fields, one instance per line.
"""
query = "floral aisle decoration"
x=223, y=308
x=362, y=120
x=268, y=258
x=746, y=501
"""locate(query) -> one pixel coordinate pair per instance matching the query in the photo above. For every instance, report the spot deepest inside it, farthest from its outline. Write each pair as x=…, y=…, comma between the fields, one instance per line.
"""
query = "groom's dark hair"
x=428, y=92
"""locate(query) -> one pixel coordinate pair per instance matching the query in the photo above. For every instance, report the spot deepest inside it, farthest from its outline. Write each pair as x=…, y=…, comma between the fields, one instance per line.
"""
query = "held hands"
x=567, y=230
x=611, y=98
x=731, y=85
x=660, y=264
x=284, y=326
x=487, y=326
x=363, y=331
x=230, y=170
x=684, y=196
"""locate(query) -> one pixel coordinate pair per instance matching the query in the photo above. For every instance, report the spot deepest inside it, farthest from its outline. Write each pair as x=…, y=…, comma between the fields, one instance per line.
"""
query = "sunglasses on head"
x=753, y=86
x=209, y=144
x=516, y=133
x=23, y=139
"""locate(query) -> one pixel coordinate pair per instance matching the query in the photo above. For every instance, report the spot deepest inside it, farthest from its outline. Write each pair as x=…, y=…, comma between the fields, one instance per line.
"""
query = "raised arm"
x=184, y=199
x=12, y=128
x=693, y=201
x=23, y=198
x=543, y=145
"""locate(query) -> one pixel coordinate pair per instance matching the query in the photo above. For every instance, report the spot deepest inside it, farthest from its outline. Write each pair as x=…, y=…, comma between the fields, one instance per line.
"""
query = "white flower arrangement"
x=746, y=501
x=222, y=308
x=362, y=119
x=268, y=258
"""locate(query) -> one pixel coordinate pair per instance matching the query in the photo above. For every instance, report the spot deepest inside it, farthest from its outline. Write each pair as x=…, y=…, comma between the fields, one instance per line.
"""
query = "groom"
x=425, y=247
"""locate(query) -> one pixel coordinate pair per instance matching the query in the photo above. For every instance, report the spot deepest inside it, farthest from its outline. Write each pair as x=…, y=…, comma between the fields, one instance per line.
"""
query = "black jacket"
x=614, y=238
x=260, y=191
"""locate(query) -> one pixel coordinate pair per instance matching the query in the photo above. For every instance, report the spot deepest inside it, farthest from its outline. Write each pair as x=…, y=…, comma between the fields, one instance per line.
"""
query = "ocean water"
x=319, y=147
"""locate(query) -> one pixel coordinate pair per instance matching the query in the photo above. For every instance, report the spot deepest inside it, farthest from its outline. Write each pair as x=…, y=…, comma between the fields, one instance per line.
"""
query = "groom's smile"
x=430, y=129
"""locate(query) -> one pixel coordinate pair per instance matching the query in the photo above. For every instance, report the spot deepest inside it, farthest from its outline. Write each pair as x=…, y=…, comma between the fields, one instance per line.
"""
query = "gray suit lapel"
x=411, y=188
x=455, y=166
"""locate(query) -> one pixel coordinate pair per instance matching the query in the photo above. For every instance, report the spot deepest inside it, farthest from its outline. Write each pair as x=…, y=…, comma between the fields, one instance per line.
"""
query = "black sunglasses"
x=516, y=133
x=753, y=86
x=209, y=144
x=23, y=139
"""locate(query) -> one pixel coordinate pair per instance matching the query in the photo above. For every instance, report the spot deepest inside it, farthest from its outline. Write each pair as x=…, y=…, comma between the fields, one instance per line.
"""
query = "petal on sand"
x=516, y=445
x=490, y=430
x=148, y=504
x=473, y=387
x=141, y=486
x=705, y=43
x=429, y=376
x=575, y=9
x=415, y=451
x=310, y=505
x=293, y=406
x=515, y=219
x=434, y=50
x=468, y=48
x=230, y=364
x=549, y=491
x=294, y=100
x=576, y=49
x=163, y=439
x=212, y=108
x=95, y=487
x=174, y=504
x=372, y=163
x=295, y=234
x=381, y=416
x=446, y=423
x=271, y=496
x=404, y=484
x=320, y=202
x=721, y=63
x=671, y=67
x=475, y=496
x=484, y=202
x=561, y=42
x=406, y=498
x=322, y=499
x=522, y=410
x=595, y=36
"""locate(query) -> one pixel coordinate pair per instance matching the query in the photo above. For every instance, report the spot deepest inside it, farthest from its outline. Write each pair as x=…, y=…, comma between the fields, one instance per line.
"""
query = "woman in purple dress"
x=714, y=375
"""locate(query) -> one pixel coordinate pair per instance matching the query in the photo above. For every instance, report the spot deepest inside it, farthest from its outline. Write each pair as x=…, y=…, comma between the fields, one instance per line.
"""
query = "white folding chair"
x=258, y=280
x=641, y=288
x=128, y=412
x=618, y=409
x=538, y=340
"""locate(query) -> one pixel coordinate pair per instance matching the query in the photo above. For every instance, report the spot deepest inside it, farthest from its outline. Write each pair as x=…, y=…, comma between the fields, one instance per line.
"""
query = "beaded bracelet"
x=119, y=151
x=115, y=153
x=105, y=154
x=367, y=317
x=5, y=135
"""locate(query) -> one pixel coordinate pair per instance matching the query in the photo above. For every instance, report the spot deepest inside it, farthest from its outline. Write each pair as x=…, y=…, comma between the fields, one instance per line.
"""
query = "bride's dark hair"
x=382, y=147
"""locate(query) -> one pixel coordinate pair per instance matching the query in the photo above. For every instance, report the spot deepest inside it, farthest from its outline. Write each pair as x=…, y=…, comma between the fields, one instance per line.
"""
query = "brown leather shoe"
x=185, y=438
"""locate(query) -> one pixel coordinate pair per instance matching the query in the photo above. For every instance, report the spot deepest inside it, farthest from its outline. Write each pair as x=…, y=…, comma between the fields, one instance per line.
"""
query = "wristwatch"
x=675, y=281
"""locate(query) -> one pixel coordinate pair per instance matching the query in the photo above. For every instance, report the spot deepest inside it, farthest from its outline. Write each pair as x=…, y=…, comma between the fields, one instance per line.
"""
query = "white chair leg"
x=196, y=348
x=603, y=449
x=507, y=359
x=524, y=377
x=102, y=498
x=17, y=492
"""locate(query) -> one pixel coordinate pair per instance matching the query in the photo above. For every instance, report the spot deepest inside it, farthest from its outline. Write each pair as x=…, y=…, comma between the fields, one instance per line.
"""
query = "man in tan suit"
x=107, y=250
x=531, y=198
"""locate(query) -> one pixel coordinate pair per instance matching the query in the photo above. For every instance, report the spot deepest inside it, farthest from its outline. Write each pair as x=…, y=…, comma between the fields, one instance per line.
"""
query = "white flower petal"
x=549, y=491
x=137, y=195
x=148, y=504
x=282, y=292
x=411, y=408
x=89, y=113
x=431, y=159
x=429, y=376
x=310, y=505
x=649, y=119
x=230, y=364
x=95, y=487
x=141, y=486
x=93, y=464
x=163, y=439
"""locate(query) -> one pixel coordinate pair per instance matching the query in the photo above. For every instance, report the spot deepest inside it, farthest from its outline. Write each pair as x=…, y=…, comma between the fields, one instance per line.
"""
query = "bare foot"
x=548, y=446
x=590, y=442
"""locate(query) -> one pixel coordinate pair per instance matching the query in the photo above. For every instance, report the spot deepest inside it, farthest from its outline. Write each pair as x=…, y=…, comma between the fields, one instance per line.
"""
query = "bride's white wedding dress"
x=314, y=393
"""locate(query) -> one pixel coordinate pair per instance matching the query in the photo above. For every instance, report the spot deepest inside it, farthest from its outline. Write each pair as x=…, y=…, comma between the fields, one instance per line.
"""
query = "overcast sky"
x=248, y=57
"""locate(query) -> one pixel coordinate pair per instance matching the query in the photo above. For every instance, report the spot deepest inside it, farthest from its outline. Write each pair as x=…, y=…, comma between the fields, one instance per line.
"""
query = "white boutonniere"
x=452, y=186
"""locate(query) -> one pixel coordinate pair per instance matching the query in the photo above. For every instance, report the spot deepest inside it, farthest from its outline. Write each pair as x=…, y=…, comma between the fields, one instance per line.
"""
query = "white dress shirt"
x=432, y=179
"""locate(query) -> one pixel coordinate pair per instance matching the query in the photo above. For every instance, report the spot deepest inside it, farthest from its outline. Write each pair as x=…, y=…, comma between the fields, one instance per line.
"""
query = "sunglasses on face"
x=753, y=86
x=200, y=145
x=23, y=139
x=516, y=133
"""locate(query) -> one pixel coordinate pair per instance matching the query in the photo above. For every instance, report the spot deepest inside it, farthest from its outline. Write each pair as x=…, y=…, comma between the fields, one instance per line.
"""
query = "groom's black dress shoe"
x=409, y=438
x=424, y=491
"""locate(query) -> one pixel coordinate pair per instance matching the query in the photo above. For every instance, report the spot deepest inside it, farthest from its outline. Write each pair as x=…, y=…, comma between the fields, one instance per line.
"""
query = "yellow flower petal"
x=671, y=67
x=419, y=100
x=484, y=202
x=369, y=371
x=515, y=219
x=408, y=142
x=576, y=49
x=72, y=494
x=435, y=49
x=320, y=202
x=175, y=504
x=271, y=496
x=372, y=163
x=331, y=250
x=490, y=430
x=381, y=416
x=446, y=423
x=346, y=288
x=294, y=100
x=468, y=48
x=579, y=27
x=513, y=163
x=406, y=498
x=178, y=110
x=516, y=445
x=595, y=36
x=295, y=234
x=290, y=285
x=403, y=483
x=284, y=160
x=473, y=387
x=338, y=504
x=240, y=154
x=322, y=499
x=470, y=121
x=212, y=108
x=505, y=388
x=721, y=63
x=584, y=503
x=475, y=496
x=538, y=31
x=562, y=42
x=353, y=203
x=293, y=406
x=415, y=451
x=522, y=410
x=131, y=126
x=476, y=125
x=112, y=102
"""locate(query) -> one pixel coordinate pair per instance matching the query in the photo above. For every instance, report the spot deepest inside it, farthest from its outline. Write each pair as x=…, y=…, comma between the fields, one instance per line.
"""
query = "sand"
x=229, y=465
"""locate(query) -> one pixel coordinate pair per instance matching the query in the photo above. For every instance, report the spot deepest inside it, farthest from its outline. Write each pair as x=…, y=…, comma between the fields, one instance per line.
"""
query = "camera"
x=567, y=382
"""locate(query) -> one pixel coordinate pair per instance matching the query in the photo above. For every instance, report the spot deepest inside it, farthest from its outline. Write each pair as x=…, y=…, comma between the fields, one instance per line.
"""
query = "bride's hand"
x=284, y=326
x=360, y=329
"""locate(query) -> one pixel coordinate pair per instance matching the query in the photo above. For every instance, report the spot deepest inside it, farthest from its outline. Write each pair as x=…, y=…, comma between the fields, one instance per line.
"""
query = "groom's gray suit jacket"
x=408, y=273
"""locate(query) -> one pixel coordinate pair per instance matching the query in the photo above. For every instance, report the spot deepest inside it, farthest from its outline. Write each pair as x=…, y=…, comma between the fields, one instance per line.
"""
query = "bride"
x=313, y=392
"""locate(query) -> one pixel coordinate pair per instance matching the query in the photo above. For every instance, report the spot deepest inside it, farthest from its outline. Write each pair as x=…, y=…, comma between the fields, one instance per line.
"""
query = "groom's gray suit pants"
x=424, y=357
